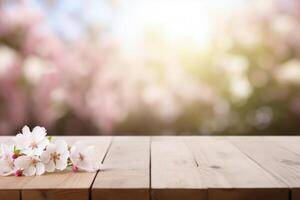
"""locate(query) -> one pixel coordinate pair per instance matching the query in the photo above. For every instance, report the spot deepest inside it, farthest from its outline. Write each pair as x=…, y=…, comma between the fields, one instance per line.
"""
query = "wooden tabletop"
x=173, y=168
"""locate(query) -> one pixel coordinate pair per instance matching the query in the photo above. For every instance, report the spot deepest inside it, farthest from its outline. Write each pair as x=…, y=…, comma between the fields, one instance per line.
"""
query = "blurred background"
x=203, y=67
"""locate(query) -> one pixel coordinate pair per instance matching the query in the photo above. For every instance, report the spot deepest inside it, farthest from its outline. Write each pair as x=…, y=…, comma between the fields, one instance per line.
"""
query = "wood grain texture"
x=279, y=160
x=126, y=171
x=174, y=173
x=163, y=168
x=292, y=144
x=66, y=185
x=230, y=174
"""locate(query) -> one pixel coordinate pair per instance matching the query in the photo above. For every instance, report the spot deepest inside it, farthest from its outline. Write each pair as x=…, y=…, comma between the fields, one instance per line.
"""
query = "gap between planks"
x=90, y=190
x=126, y=170
x=202, y=151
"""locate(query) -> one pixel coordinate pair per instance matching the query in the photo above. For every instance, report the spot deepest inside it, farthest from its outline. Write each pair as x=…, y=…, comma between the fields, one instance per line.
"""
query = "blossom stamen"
x=55, y=156
x=34, y=162
x=33, y=145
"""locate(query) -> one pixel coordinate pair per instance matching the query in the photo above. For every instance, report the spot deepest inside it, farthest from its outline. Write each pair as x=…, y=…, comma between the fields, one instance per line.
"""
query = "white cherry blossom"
x=81, y=157
x=30, y=165
x=55, y=156
x=7, y=166
x=32, y=143
x=34, y=154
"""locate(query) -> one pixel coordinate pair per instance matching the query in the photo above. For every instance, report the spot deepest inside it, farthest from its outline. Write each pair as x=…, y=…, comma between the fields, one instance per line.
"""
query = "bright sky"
x=127, y=20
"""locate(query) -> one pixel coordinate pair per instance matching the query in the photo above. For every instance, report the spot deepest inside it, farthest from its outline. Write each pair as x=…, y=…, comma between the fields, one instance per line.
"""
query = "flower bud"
x=75, y=168
x=18, y=172
x=14, y=156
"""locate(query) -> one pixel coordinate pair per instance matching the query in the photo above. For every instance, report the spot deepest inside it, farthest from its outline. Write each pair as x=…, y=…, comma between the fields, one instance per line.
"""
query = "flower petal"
x=64, y=156
x=22, y=162
x=50, y=166
x=5, y=168
x=40, y=168
x=51, y=148
x=26, y=131
x=41, y=147
x=45, y=157
x=37, y=151
x=28, y=151
x=61, y=146
x=86, y=166
x=29, y=171
x=21, y=141
x=44, y=142
x=61, y=164
x=39, y=133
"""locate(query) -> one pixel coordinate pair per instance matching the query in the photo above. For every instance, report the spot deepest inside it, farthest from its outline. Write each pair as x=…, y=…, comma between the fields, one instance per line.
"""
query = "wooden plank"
x=280, y=160
x=174, y=173
x=292, y=144
x=230, y=174
x=126, y=171
x=242, y=168
x=66, y=185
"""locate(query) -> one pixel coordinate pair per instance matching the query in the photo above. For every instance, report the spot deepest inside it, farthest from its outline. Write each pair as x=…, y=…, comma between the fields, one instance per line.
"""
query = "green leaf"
x=50, y=138
x=69, y=162
x=16, y=151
